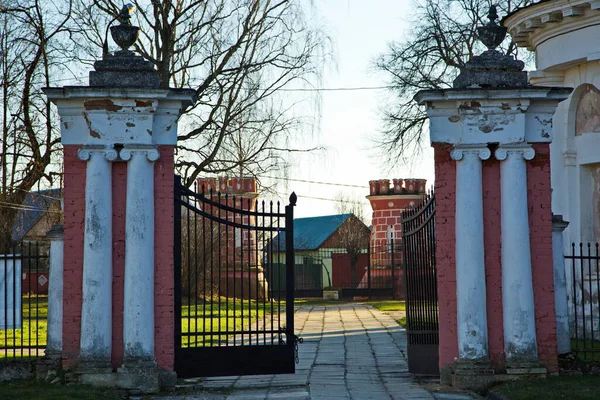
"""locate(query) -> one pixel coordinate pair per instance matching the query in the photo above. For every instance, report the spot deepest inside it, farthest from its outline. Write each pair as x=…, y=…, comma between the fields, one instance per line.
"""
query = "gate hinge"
x=297, y=339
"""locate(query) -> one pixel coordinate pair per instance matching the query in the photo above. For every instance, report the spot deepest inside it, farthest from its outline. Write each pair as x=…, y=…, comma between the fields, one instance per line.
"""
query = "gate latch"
x=297, y=339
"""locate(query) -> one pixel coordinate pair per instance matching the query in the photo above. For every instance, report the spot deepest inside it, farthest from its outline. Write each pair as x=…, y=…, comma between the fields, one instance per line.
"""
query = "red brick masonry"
x=540, y=225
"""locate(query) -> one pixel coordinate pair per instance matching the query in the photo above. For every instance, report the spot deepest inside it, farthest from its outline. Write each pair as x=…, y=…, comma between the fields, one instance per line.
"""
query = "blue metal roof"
x=311, y=232
x=32, y=210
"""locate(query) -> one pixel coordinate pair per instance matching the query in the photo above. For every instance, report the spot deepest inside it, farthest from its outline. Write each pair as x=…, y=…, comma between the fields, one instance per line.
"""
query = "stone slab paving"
x=350, y=351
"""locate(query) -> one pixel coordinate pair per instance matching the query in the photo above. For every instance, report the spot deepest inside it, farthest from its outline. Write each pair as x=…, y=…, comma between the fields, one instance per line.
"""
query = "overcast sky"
x=360, y=31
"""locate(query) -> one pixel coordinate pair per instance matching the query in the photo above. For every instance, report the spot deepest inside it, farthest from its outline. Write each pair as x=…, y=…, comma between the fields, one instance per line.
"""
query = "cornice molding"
x=539, y=22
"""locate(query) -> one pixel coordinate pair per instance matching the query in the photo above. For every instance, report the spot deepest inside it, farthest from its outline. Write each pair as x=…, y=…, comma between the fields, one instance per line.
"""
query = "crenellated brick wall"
x=239, y=265
x=237, y=246
x=387, y=203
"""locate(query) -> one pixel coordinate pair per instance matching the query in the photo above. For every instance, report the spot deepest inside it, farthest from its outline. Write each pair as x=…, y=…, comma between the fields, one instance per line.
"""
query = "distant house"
x=321, y=247
x=38, y=213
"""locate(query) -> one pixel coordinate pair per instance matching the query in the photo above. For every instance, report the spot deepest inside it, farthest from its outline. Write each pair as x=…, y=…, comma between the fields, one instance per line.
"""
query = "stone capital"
x=480, y=151
x=56, y=233
x=524, y=150
x=150, y=152
x=86, y=152
x=558, y=223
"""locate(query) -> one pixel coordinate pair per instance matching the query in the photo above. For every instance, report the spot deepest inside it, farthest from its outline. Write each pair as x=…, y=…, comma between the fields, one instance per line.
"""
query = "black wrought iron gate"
x=228, y=319
x=418, y=227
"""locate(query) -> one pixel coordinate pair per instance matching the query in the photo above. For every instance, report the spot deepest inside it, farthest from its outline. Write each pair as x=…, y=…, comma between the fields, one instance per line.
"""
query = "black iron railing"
x=422, y=319
x=583, y=277
x=361, y=272
x=23, y=304
x=233, y=315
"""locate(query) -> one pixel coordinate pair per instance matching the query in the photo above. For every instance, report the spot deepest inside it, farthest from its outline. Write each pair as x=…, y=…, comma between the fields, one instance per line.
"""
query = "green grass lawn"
x=391, y=305
x=33, y=332
x=31, y=390
x=209, y=320
x=206, y=320
x=388, y=305
x=559, y=388
x=586, y=350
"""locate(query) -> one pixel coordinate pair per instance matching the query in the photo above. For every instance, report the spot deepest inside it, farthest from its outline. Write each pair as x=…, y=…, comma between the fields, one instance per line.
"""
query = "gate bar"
x=289, y=261
x=177, y=258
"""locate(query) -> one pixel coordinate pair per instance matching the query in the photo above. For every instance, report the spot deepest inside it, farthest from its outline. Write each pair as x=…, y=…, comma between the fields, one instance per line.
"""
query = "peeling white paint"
x=518, y=310
x=55, y=295
x=563, y=336
x=473, y=116
x=96, y=310
x=470, y=260
x=151, y=110
x=138, y=313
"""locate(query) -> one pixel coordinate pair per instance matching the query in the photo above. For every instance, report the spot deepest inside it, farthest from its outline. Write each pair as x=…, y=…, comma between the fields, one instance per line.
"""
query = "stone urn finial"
x=123, y=68
x=491, y=34
x=125, y=34
x=492, y=68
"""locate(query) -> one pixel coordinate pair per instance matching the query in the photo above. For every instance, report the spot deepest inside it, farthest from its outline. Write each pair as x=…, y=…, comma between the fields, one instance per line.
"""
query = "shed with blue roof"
x=316, y=241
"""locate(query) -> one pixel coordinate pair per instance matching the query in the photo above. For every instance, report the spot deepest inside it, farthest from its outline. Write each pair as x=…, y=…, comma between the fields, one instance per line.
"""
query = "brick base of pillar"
x=479, y=376
x=136, y=379
x=48, y=368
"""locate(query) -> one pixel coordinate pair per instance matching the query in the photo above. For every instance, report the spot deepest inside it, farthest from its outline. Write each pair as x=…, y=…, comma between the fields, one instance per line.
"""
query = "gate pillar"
x=494, y=220
x=119, y=135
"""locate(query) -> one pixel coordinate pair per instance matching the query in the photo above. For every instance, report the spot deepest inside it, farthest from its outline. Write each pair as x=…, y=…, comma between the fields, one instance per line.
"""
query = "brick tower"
x=387, y=203
x=239, y=249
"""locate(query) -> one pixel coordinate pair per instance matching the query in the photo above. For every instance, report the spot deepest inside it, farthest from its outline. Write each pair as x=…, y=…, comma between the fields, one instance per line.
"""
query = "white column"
x=560, y=285
x=96, y=309
x=470, y=261
x=55, y=291
x=517, y=284
x=138, y=313
x=572, y=214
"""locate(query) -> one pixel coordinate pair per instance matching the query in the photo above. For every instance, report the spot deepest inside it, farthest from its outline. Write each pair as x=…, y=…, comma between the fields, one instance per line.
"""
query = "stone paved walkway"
x=350, y=351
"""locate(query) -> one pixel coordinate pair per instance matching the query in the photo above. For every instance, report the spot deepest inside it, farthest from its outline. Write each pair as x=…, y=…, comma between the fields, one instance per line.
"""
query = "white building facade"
x=564, y=35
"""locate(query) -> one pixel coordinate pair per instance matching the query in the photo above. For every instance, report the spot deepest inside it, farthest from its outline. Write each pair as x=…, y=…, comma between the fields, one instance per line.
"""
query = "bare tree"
x=442, y=39
x=30, y=31
x=354, y=234
x=238, y=55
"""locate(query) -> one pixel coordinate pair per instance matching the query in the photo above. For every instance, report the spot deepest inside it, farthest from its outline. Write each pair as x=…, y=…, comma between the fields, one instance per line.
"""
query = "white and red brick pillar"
x=387, y=203
x=119, y=135
x=491, y=134
x=242, y=272
x=494, y=229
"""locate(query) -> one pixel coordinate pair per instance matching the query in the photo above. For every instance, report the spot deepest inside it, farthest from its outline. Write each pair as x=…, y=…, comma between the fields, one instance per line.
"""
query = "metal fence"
x=231, y=315
x=361, y=272
x=418, y=227
x=583, y=277
x=23, y=307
